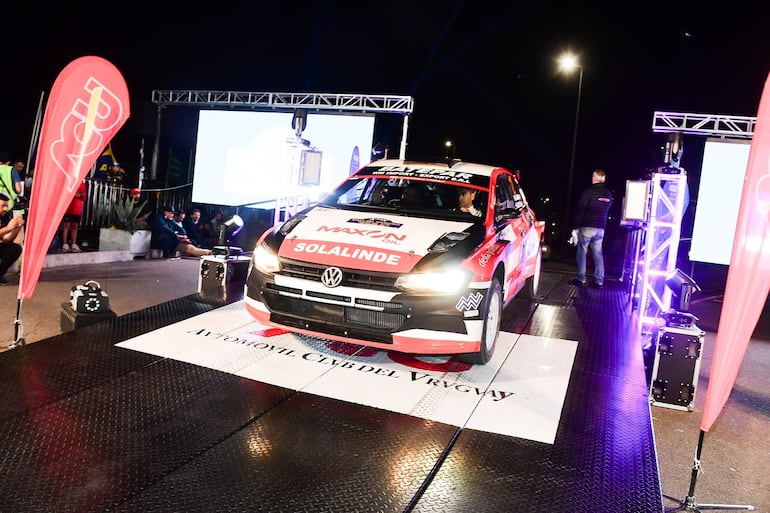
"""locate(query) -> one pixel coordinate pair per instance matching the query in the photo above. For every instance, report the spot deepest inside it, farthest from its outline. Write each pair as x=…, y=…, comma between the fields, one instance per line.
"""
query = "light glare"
x=447, y=282
x=568, y=63
x=265, y=260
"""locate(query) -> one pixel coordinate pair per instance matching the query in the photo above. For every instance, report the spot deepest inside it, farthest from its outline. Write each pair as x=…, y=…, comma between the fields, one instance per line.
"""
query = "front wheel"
x=493, y=309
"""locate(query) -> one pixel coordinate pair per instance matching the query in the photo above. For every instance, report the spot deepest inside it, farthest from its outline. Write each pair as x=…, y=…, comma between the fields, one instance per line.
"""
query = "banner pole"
x=689, y=503
x=18, y=340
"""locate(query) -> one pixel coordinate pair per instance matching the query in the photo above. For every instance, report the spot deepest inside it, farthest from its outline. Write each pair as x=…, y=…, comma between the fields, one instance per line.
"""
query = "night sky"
x=482, y=73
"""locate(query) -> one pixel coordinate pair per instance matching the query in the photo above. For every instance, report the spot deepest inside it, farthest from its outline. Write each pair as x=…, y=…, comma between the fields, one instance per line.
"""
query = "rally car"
x=390, y=260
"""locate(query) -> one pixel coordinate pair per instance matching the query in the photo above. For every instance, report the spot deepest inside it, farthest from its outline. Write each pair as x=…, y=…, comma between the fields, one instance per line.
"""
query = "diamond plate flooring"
x=86, y=426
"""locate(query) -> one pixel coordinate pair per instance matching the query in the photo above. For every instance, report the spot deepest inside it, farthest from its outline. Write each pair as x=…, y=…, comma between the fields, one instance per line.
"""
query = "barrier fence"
x=98, y=209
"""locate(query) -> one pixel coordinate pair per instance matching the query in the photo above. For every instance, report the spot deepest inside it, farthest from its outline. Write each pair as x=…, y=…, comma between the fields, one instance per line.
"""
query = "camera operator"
x=9, y=230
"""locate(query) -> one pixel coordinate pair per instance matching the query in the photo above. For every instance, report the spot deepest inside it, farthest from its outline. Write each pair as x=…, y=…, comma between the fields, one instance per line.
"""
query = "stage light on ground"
x=226, y=231
x=224, y=228
x=682, y=288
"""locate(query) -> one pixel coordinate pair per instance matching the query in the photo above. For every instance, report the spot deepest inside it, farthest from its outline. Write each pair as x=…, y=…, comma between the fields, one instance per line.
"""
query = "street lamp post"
x=450, y=145
x=567, y=64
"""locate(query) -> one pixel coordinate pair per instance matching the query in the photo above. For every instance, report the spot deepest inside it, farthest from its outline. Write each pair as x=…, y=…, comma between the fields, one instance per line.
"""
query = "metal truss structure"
x=359, y=103
x=283, y=102
x=388, y=104
x=655, y=245
x=713, y=125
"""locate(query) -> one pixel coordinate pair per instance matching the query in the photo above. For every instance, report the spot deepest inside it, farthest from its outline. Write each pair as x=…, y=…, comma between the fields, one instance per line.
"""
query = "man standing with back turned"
x=590, y=223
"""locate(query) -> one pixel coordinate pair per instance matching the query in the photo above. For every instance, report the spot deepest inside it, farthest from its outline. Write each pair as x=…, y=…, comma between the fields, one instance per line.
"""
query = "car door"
x=512, y=224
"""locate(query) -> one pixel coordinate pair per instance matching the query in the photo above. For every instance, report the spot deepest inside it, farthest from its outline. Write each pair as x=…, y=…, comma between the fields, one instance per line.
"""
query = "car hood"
x=361, y=240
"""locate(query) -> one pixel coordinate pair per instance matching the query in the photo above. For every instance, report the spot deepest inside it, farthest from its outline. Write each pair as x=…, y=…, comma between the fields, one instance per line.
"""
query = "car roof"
x=465, y=167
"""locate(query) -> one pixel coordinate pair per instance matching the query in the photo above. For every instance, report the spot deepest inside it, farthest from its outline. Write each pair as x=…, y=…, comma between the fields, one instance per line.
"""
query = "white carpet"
x=520, y=392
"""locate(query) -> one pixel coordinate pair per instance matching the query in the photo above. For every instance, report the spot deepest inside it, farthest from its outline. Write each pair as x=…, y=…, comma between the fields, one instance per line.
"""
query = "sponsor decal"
x=371, y=255
x=349, y=255
x=377, y=221
x=490, y=252
x=371, y=234
x=425, y=172
x=471, y=302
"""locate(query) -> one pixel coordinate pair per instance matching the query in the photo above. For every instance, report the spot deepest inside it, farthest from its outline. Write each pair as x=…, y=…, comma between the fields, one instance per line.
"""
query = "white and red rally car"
x=388, y=260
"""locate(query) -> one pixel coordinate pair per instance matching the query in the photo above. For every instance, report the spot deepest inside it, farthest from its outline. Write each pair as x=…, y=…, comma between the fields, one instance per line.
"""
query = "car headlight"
x=265, y=260
x=439, y=282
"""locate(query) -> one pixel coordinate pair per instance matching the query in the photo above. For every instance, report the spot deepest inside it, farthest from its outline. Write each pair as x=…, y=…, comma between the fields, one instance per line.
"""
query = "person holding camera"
x=9, y=229
x=10, y=181
x=12, y=186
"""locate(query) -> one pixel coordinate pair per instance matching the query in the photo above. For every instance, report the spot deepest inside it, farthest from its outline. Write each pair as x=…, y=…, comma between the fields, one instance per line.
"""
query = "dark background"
x=482, y=73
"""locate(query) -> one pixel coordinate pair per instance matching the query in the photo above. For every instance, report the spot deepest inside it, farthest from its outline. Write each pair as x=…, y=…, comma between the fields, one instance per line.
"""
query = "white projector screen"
x=719, y=198
x=245, y=158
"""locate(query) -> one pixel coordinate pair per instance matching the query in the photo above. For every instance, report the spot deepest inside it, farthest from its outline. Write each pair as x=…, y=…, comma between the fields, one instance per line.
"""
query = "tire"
x=493, y=310
x=532, y=284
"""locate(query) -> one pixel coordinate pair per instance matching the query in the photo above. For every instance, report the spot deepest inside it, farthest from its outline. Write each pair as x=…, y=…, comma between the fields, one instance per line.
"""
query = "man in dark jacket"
x=192, y=226
x=169, y=237
x=590, y=222
x=165, y=234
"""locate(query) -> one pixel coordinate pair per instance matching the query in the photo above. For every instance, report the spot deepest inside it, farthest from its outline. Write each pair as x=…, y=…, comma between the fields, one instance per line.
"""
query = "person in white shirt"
x=465, y=198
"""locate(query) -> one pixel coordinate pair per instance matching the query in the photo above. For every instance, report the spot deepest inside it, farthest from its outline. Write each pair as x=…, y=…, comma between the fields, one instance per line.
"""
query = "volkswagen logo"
x=332, y=277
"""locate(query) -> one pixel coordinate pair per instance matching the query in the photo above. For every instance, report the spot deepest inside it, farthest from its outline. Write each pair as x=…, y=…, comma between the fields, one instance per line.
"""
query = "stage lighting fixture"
x=224, y=228
x=89, y=298
x=225, y=231
x=682, y=288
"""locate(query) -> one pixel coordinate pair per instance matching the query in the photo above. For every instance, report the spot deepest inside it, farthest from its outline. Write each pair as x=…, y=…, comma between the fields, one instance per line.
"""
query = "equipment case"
x=677, y=366
x=216, y=272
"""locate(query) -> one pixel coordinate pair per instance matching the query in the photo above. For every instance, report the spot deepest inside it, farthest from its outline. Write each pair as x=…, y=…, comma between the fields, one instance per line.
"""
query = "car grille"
x=334, y=319
x=359, y=317
x=350, y=278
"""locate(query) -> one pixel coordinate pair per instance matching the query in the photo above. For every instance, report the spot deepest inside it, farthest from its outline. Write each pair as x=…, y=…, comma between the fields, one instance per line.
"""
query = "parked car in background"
x=389, y=260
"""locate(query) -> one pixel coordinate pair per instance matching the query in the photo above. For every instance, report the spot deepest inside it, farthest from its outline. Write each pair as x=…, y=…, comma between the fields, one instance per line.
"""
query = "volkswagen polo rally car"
x=389, y=260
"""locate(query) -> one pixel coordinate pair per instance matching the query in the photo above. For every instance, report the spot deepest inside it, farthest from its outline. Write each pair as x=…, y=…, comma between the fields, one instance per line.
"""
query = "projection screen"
x=246, y=158
x=719, y=197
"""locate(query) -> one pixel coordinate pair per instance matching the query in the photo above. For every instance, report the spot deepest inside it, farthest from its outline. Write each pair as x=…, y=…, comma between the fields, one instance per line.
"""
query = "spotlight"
x=682, y=288
x=236, y=221
x=222, y=249
x=89, y=298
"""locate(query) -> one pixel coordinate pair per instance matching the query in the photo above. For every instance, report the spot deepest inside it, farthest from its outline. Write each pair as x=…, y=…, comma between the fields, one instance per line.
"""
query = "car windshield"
x=411, y=197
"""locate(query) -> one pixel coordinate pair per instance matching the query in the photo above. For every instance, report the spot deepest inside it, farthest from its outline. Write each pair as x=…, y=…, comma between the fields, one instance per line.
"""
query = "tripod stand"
x=689, y=503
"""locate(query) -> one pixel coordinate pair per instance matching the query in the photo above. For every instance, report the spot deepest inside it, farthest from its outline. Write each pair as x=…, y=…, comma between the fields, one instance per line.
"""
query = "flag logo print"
x=470, y=303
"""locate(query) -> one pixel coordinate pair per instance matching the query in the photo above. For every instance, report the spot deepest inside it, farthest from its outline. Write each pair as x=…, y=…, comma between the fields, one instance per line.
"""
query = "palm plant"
x=127, y=212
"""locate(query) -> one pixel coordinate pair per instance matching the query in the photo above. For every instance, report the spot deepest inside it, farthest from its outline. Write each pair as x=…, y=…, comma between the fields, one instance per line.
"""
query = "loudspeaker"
x=677, y=366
